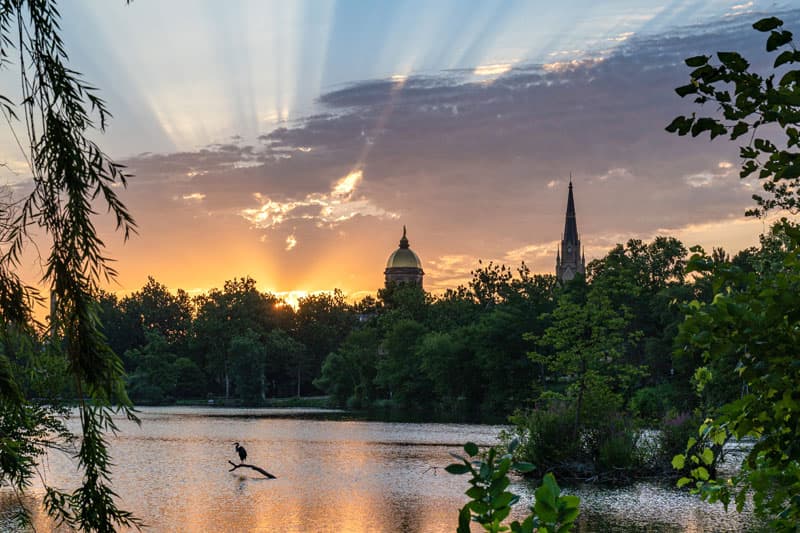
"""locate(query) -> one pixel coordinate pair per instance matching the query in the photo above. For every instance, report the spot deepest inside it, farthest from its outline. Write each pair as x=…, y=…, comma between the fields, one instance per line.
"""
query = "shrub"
x=547, y=436
x=652, y=403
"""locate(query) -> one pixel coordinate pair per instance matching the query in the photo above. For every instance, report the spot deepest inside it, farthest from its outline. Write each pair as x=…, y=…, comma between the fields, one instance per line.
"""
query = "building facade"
x=404, y=266
x=569, y=259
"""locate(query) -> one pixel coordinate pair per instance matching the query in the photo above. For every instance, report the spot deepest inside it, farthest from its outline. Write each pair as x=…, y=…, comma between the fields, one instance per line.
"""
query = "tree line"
x=505, y=341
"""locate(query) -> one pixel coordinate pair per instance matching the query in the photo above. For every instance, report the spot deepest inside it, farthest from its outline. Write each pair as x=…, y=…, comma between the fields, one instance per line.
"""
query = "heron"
x=241, y=451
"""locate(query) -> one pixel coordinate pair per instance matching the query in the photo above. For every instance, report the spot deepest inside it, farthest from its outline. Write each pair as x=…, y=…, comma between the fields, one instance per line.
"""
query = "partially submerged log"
x=254, y=467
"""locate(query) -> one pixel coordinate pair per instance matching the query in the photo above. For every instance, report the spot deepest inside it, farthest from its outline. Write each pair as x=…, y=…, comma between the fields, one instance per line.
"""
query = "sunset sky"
x=291, y=140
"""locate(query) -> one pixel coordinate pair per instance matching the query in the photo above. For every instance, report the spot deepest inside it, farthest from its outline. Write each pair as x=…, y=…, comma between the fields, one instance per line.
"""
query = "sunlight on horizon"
x=199, y=90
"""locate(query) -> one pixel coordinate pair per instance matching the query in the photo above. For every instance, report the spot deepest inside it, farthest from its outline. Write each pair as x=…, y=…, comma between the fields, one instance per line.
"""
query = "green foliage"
x=70, y=174
x=748, y=333
x=153, y=308
x=491, y=503
x=225, y=314
x=652, y=403
x=348, y=374
x=247, y=366
x=155, y=377
x=546, y=436
x=586, y=345
x=606, y=448
x=751, y=103
x=323, y=322
x=399, y=369
x=755, y=320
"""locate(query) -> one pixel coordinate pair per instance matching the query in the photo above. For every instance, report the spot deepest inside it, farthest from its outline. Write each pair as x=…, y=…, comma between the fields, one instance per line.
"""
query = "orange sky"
x=301, y=169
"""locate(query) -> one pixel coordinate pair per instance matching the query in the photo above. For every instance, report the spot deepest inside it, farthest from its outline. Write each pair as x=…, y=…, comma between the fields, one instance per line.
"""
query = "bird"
x=241, y=451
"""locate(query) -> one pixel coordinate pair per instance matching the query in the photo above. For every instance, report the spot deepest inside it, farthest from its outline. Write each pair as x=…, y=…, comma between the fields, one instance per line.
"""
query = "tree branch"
x=257, y=469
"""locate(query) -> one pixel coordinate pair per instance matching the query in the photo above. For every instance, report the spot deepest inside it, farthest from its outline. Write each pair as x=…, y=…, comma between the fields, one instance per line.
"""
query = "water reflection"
x=337, y=476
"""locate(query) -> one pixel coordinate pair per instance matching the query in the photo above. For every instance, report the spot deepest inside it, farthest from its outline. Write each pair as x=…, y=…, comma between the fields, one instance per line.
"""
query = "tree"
x=348, y=374
x=155, y=308
x=247, y=366
x=223, y=315
x=751, y=103
x=287, y=361
x=753, y=317
x=69, y=173
x=323, y=321
x=399, y=368
x=155, y=377
x=754, y=325
x=586, y=345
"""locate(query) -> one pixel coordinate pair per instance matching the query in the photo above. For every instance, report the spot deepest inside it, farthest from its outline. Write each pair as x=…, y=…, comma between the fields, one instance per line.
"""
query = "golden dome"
x=404, y=257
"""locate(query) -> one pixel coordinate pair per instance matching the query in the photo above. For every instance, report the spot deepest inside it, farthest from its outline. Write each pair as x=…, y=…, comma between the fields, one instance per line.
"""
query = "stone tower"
x=404, y=265
x=569, y=260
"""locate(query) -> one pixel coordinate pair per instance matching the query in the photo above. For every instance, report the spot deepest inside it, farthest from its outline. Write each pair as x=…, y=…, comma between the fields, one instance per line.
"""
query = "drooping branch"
x=256, y=468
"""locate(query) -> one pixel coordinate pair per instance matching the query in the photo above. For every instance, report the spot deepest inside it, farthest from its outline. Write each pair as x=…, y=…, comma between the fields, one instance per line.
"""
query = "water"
x=332, y=476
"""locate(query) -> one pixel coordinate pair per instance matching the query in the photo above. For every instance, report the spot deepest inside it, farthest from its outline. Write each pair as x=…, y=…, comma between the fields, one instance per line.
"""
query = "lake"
x=333, y=475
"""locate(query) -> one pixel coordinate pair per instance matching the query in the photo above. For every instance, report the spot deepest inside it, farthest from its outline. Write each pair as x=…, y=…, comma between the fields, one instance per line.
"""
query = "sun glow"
x=495, y=69
x=345, y=186
x=334, y=207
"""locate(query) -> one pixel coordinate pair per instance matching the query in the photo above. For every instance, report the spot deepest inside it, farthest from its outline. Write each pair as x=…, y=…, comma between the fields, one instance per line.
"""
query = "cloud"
x=476, y=170
x=328, y=209
x=291, y=242
x=494, y=69
x=195, y=196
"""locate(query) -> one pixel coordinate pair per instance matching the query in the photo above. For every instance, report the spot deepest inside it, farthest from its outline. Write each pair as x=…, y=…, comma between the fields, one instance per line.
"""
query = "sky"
x=291, y=141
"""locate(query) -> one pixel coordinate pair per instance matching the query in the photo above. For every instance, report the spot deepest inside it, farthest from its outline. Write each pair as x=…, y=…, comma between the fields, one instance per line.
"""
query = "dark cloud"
x=476, y=166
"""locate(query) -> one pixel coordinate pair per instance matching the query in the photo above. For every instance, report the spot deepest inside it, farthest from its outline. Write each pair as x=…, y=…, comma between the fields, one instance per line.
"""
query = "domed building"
x=404, y=265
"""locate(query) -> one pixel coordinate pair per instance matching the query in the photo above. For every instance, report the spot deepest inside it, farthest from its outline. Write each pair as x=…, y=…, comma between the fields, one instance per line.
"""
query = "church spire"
x=568, y=259
x=570, y=225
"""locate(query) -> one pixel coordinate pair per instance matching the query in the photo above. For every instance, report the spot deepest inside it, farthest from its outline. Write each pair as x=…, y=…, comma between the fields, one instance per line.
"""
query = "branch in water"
x=257, y=469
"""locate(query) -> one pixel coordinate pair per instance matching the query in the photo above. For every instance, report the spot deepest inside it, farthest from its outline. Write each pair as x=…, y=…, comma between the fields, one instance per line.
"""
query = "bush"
x=651, y=404
x=617, y=447
x=608, y=447
x=547, y=436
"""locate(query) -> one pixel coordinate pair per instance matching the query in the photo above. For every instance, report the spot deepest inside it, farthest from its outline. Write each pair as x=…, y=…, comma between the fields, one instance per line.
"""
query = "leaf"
x=457, y=469
x=777, y=39
x=478, y=507
x=502, y=500
x=700, y=473
x=708, y=124
x=786, y=56
x=696, y=61
x=524, y=467
x=793, y=76
x=768, y=24
x=739, y=129
x=678, y=462
x=513, y=445
x=683, y=482
x=707, y=456
x=733, y=61
x=471, y=448
x=684, y=90
x=476, y=493
x=680, y=125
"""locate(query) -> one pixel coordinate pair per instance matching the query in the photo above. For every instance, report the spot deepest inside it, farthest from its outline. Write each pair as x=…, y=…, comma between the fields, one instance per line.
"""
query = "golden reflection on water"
x=332, y=476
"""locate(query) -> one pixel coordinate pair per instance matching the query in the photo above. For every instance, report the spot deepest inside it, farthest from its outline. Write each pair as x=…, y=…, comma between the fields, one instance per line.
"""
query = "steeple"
x=568, y=259
x=570, y=224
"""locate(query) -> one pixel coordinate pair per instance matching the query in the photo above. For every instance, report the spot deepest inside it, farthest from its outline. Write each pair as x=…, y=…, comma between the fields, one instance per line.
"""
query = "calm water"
x=332, y=475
